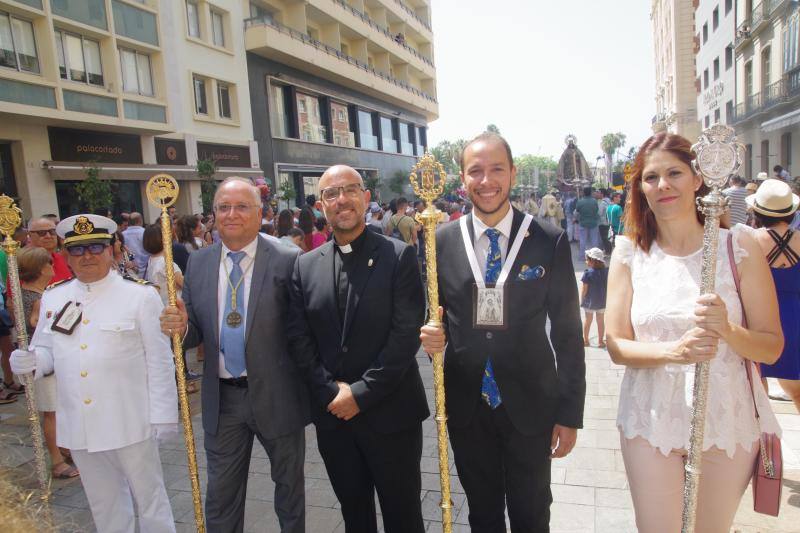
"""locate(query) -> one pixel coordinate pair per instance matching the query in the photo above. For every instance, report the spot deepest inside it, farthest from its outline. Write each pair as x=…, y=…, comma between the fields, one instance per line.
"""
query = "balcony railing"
x=413, y=14
x=761, y=12
x=757, y=15
x=382, y=29
x=300, y=36
x=784, y=90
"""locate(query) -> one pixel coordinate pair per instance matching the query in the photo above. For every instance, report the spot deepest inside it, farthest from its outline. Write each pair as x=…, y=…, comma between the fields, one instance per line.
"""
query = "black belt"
x=235, y=382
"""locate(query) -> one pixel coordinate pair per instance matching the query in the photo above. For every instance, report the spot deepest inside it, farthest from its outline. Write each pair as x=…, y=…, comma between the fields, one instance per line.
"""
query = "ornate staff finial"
x=428, y=178
x=719, y=155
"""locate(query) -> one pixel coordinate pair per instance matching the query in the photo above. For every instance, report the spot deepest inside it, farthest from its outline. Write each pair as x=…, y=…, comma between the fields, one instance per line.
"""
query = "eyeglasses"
x=94, y=249
x=238, y=208
x=43, y=232
x=331, y=194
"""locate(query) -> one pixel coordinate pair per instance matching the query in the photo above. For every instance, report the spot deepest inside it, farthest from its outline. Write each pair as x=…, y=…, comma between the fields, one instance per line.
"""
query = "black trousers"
x=604, y=240
x=497, y=465
x=360, y=461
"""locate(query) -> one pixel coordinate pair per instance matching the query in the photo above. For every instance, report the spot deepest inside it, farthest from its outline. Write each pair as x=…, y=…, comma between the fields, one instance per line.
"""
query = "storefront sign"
x=170, y=152
x=712, y=95
x=100, y=146
x=224, y=155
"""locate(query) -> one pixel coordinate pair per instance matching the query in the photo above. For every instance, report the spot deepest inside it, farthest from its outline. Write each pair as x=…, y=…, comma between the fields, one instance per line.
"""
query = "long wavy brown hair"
x=640, y=222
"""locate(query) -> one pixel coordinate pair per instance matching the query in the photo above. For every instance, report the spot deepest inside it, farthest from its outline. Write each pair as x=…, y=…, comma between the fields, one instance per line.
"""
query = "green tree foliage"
x=398, y=182
x=610, y=143
x=526, y=164
x=491, y=128
x=94, y=191
x=449, y=155
x=206, y=169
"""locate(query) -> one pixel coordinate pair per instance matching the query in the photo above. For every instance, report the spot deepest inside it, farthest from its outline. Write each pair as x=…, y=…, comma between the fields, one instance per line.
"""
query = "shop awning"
x=60, y=170
x=783, y=121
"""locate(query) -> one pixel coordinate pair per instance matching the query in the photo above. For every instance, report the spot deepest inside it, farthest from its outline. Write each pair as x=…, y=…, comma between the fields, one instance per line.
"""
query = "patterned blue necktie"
x=494, y=262
x=232, y=338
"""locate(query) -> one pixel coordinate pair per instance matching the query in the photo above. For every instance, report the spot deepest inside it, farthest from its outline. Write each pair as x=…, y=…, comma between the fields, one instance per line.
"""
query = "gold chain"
x=235, y=289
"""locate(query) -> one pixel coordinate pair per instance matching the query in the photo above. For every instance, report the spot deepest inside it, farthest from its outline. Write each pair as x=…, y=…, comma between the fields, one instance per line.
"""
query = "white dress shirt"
x=246, y=264
x=481, y=243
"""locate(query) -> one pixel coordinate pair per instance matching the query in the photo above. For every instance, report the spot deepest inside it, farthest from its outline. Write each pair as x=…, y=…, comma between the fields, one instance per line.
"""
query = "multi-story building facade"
x=715, y=30
x=676, y=95
x=132, y=87
x=340, y=81
x=767, y=112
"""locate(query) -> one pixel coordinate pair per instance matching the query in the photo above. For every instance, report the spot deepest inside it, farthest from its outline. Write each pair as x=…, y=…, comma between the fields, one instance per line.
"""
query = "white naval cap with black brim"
x=86, y=229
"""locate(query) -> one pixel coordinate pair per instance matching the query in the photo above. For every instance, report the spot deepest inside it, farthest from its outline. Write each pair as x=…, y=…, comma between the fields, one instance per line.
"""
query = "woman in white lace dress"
x=658, y=327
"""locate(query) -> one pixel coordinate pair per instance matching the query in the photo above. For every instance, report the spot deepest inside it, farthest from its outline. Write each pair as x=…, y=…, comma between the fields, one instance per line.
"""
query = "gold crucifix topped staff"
x=428, y=178
x=10, y=219
x=718, y=157
x=162, y=191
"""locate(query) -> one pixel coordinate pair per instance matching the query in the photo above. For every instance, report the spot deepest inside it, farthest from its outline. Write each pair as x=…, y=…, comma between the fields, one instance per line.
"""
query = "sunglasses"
x=94, y=249
x=43, y=232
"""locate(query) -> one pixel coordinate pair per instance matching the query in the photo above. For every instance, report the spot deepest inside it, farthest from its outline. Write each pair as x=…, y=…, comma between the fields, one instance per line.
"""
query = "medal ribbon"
x=510, y=258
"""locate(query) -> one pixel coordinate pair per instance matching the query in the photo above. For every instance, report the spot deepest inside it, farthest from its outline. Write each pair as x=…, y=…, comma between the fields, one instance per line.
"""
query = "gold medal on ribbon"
x=234, y=319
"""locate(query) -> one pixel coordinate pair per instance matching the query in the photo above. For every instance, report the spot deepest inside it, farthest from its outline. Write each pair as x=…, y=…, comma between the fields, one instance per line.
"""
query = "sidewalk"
x=590, y=490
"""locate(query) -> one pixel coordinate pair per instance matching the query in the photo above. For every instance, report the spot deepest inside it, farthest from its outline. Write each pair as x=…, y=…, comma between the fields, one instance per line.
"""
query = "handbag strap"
x=749, y=363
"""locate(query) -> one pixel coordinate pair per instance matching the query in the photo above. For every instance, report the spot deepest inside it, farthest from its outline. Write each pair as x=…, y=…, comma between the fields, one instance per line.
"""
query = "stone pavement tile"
x=312, y=470
x=69, y=520
x=430, y=481
x=748, y=520
x=596, y=478
x=598, y=401
x=613, y=498
x=557, y=473
x=609, y=519
x=183, y=483
x=572, y=518
x=596, y=423
x=600, y=413
x=260, y=487
x=608, y=439
x=321, y=495
x=182, y=506
x=430, y=505
x=12, y=456
x=588, y=458
x=573, y=494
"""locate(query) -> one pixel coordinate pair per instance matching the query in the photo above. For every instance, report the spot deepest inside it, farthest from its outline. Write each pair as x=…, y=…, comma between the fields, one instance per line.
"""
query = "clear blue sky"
x=540, y=69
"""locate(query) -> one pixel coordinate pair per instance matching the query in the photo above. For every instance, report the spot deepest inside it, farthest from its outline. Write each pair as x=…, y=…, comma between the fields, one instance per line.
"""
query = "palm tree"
x=610, y=143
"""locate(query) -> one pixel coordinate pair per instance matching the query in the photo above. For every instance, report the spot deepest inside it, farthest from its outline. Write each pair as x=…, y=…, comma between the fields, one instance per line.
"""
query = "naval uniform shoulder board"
x=136, y=280
x=57, y=283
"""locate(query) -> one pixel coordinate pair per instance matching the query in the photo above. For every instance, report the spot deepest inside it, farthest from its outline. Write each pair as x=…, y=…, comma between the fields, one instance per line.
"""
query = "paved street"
x=589, y=486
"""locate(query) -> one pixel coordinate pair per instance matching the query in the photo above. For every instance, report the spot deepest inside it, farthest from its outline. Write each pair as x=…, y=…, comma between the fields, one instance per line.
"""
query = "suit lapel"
x=213, y=283
x=359, y=278
x=262, y=261
x=328, y=273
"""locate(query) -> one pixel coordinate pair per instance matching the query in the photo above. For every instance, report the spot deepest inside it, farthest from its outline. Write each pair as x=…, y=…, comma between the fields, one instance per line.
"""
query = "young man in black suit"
x=356, y=307
x=512, y=404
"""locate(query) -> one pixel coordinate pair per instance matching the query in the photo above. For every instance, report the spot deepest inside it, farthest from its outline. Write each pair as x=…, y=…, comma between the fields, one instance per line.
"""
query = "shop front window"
x=340, y=122
x=366, y=133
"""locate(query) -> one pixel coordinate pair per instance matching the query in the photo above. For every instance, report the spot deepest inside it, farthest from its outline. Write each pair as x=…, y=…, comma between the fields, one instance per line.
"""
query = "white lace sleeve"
x=737, y=230
x=623, y=250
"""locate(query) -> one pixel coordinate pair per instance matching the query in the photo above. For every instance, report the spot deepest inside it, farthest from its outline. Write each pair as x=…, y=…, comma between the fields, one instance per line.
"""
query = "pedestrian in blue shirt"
x=593, y=295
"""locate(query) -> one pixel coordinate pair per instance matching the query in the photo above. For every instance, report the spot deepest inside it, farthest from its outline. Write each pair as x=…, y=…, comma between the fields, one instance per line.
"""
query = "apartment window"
x=728, y=57
x=728, y=6
x=17, y=44
x=345, y=49
x=388, y=135
x=217, y=28
x=340, y=122
x=716, y=69
x=200, y=101
x=705, y=79
x=791, y=47
x=748, y=79
x=366, y=133
x=729, y=111
x=715, y=19
x=277, y=113
x=406, y=134
x=765, y=156
x=224, y=100
x=716, y=116
x=309, y=118
x=421, y=140
x=707, y=121
x=786, y=150
x=193, y=18
x=136, y=73
x=748, y=161
x=79, y=58
x=705, y=33
x=313, y=33
x=766, y=66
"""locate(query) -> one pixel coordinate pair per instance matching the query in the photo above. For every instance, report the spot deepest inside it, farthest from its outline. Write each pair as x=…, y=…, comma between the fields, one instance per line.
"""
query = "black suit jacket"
x=276, y=391
x=376, y=351
x=535, y=393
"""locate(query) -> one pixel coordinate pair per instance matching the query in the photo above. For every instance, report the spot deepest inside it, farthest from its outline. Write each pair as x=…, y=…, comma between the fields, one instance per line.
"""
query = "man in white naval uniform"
x=116, y=380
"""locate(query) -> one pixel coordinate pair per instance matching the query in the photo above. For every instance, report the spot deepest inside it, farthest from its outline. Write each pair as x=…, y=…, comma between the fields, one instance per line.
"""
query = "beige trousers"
x=656, y=484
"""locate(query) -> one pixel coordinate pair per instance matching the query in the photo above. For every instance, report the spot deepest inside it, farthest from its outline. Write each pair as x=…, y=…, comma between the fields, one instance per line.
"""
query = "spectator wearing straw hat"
x=593, y=295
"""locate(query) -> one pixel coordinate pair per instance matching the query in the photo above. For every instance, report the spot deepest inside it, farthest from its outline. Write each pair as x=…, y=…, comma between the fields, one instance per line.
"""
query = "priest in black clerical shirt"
x=357, y=304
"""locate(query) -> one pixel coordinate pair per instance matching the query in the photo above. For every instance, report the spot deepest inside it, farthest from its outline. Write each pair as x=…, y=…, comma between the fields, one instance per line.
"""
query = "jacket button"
x=85, y=321
x=83, y=346
x=84, y=374
x=344, y=349
x=489, y=335
x=87, y=401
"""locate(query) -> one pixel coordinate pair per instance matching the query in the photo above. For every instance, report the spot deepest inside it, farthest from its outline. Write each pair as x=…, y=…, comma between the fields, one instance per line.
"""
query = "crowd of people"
x=316, y=315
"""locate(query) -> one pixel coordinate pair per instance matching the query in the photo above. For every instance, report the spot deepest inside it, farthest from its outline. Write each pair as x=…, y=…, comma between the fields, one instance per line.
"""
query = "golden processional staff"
x=162, y=191
x=718, y=157
x=428, y=178
x=10, y=218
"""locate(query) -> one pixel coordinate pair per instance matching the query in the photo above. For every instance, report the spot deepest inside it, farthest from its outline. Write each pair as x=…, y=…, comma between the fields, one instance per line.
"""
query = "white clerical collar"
x=249, y=250
x=346, y=249
x=504, y=226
